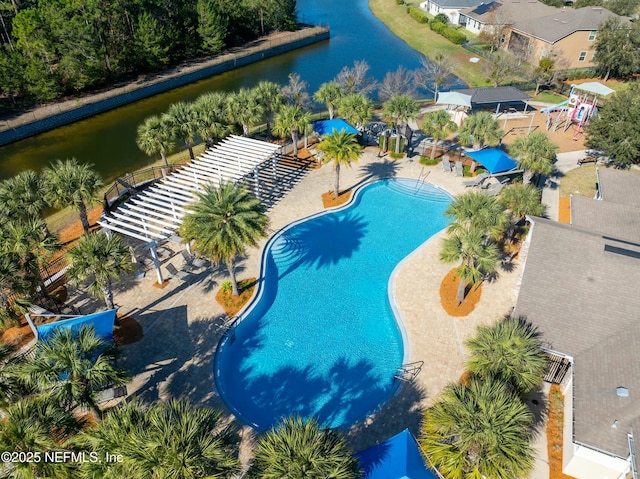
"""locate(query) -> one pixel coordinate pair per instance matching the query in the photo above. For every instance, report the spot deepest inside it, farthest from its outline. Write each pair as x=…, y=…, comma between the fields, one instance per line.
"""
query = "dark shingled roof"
x=619, y=186
x=606, y=217
x=580, y=289
x=563, y=22
x=500, y=94
x=456, y=3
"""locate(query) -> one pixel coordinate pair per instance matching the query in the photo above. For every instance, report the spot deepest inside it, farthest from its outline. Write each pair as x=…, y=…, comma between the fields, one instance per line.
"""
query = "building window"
x=543, y=54
x=592, y=35
x=582, y=57
x=503, y=38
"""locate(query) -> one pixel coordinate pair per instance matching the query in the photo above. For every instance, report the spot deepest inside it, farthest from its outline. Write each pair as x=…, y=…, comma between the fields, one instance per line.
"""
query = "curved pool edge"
x=245, y=312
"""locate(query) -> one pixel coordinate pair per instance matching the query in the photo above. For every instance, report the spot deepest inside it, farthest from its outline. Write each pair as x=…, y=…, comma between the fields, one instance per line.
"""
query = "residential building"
x=579, y=288
x=497, y=14
x=568, y=33
x=451, y=8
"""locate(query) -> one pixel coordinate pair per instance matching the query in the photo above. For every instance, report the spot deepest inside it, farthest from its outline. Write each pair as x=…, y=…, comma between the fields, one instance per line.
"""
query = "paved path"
x=175, y=357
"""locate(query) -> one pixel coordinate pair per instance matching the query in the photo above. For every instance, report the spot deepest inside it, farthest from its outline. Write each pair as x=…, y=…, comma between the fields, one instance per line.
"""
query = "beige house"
x=497, y=14
x=568, y=33
x=451, y=8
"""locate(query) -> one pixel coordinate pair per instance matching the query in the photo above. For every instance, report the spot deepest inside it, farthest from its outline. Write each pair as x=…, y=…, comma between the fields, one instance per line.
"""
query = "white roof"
x=156, y=212
x=594, y=87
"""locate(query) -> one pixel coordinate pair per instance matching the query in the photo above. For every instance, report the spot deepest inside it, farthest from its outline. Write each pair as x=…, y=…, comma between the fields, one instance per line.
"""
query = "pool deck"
x=175, y=356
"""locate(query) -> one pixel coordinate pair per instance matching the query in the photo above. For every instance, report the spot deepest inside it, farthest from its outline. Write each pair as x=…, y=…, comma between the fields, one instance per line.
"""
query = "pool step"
x=420, y=189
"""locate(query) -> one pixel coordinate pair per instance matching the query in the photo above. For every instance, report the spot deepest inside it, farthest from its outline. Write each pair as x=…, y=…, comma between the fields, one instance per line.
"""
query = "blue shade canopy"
x=326, y=127
x=396, y=458
x=102, y=323
x=493, y=159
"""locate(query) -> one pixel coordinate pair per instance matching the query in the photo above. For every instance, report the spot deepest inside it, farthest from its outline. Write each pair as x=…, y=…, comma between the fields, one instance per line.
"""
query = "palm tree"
x=36, y=425
x=437, y=124
x=163, y=440
x=480, y=128
x=477, y=257
x=509, y=351
x=71, y=367
x=212, y=122
x=33, y=245
x=342, y=148
x=22, y=197
x=329, y=94
x=182, y=119
x=535, y=153
x=99, y=260
x=478, y=430
x=12, y=283
x=297, y=448
x=356, y=108
x=68, y=183
x=478, y=211
x=244, y=109
x=155, y=136
x=400, y=108
x=223, y=222
x=270, y=98
x=521, y=200
x=292, y=120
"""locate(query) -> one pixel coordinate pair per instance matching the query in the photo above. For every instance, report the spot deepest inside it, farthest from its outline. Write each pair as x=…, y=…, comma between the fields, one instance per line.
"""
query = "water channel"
x=108, y=140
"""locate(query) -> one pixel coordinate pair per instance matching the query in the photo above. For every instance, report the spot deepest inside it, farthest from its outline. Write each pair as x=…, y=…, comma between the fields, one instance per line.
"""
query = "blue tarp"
x=396, y=458
x=326, y=127
x=102, y=323
x=493, y=159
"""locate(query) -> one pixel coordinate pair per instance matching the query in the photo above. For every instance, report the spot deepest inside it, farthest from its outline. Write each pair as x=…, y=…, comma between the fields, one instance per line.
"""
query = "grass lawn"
x=579, y=181
x=421, y=38
x=548, y=97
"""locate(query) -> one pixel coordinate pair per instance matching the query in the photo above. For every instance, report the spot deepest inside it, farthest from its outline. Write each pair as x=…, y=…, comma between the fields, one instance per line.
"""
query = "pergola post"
x=257, y=182
x=156, y=261
x=274, y=164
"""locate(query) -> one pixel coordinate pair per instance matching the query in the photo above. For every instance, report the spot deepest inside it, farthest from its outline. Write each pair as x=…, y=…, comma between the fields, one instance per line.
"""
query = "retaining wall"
x=227, y=62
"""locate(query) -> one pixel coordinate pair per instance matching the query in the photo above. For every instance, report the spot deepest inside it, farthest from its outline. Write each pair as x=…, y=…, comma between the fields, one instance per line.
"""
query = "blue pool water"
x=321, y=339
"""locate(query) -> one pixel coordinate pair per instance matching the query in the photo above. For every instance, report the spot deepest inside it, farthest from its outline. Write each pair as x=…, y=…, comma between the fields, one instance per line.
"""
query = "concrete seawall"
x=104, y=102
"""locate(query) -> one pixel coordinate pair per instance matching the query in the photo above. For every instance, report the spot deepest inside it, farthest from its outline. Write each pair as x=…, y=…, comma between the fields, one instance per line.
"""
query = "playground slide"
x=552, y=108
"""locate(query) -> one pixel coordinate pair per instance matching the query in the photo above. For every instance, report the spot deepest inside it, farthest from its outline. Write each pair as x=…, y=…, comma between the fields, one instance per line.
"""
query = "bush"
x=427, y=161
x=399, y=2
x=442, y=18
x=437, y=27
x=418, y=14
x=454, y=35
x=392, y=148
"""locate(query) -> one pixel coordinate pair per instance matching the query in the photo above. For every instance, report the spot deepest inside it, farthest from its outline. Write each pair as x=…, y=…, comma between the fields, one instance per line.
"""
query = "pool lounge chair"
x=458, y=171
x=494, y=189
x=182, y=275
x=477, y=181
x=191, y=261
x=446, y=164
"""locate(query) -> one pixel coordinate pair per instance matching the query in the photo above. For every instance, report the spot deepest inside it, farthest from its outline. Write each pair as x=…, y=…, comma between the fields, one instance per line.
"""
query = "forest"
x=52, y=48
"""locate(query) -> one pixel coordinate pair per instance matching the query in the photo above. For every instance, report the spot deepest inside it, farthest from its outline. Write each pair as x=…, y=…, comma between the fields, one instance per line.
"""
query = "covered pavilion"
x=494, y=160
x=154, y=215
x=498, y=96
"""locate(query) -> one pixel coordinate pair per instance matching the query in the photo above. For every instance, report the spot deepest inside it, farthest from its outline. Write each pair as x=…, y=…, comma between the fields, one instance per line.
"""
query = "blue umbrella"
x=493, y=159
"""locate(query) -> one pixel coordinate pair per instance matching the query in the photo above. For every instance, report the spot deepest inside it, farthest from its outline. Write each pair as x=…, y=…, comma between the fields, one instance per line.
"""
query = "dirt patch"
x=233, y=304
x=564, y=210
x=127, y=330
x=555, y=436
x=328, y=201
x=449, y=291
x=516, y=127
x=71, y=232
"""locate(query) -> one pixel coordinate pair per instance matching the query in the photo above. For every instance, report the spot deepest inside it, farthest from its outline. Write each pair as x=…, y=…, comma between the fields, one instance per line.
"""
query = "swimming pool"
x=321, y=338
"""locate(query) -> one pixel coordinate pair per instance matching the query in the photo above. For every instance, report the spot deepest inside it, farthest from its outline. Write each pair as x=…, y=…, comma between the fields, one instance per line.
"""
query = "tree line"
x=50, y=48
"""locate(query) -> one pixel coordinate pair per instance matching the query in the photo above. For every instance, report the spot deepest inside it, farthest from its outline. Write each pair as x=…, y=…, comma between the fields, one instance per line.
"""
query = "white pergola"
x=154, y=214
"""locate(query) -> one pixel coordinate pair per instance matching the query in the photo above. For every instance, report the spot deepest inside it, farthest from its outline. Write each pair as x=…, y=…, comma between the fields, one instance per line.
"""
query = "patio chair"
x=182, y=275
x=477, y=181
x=458, y=171
x=494, y=189
x=192, y=261
x=446, y=164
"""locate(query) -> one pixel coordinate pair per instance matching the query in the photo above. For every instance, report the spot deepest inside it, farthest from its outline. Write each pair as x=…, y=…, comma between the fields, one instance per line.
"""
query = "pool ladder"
x=408, y=372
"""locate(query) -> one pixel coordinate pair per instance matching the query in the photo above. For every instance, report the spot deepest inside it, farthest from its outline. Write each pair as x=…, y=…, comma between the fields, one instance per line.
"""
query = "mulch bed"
x=328, y=201
x=233, y=304
x=449, y=291
x=555, y=433
x=564, y=210
x=127, y=331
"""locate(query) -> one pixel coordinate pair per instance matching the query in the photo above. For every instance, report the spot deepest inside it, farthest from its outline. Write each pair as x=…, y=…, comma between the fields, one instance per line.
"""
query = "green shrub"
x=399, y=2
x=454, y=35
x=392, y=148
x=437, y=27
x=426, y=160
x=442, y=18
x=418, y=15
x=226, y=286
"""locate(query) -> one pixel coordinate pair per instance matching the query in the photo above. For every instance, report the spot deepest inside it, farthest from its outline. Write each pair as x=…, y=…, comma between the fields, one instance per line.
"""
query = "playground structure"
x=578, y=109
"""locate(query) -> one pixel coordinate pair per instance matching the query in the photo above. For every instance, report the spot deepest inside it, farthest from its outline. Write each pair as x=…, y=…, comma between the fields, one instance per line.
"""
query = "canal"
x=108, y=140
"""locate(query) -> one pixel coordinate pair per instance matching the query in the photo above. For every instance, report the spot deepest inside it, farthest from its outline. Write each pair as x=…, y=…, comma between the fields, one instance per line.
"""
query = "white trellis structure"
x=154, y=214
